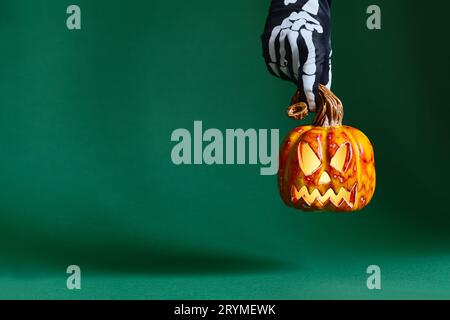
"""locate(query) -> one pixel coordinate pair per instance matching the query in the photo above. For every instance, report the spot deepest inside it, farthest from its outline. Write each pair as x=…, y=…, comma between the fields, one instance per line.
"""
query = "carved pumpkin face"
x=327, y=168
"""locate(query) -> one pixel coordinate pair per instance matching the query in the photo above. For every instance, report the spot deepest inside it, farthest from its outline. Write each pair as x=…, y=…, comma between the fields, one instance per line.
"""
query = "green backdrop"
x=86, y=176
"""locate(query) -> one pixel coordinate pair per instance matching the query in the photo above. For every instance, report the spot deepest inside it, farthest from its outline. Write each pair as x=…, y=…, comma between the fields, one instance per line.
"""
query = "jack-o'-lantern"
x=326, y=166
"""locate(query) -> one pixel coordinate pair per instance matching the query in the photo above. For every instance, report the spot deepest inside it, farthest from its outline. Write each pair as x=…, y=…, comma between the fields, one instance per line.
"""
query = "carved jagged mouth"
x=330, y=196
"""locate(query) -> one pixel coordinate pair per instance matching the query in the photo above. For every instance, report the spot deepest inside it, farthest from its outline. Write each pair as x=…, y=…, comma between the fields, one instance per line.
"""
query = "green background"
x=86, y=176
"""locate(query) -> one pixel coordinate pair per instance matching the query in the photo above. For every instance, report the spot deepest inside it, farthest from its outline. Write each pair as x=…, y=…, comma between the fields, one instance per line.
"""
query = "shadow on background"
x=32, y=249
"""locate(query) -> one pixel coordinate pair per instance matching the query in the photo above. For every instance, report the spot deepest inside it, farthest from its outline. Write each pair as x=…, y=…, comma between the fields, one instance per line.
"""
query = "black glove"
x=297, y=46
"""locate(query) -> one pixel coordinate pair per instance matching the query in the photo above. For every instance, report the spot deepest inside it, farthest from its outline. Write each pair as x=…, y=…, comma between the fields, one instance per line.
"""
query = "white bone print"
x=298, y=24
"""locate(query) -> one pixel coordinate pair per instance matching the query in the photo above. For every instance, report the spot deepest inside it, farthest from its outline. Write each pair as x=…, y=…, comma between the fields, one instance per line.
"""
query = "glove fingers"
x=312, y=68
x=275, y=52
x=286, y=53
x=326, y=71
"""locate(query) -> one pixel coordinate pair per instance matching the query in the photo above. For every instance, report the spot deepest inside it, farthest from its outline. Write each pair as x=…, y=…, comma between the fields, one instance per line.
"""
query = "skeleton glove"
x=297, y=46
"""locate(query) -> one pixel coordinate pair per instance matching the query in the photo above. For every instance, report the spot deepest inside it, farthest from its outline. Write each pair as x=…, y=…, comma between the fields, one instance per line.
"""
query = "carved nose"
x=324, y=178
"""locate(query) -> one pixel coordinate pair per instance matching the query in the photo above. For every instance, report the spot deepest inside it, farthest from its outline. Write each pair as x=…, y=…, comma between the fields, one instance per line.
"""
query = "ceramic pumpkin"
x=326, y=166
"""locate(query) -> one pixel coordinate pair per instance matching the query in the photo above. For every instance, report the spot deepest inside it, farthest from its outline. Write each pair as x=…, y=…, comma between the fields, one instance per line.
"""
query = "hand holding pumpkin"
x=325, y=166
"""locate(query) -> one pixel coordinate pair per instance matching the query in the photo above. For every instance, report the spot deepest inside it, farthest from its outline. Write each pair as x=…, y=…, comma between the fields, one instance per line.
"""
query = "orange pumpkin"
x=326, y=166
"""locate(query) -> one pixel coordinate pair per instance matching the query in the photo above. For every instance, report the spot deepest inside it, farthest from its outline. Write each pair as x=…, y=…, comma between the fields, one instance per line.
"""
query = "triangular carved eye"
x=309, y=161
x=340, y=158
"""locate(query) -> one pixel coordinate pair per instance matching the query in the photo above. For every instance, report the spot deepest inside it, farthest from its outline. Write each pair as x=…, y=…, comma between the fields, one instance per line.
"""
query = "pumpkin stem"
x=329, y=108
